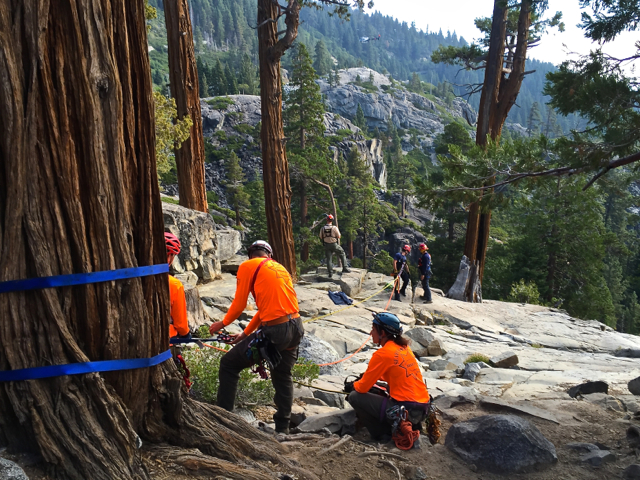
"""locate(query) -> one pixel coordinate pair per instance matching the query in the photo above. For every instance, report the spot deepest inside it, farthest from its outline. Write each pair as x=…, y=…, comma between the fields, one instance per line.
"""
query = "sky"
x=458, y=16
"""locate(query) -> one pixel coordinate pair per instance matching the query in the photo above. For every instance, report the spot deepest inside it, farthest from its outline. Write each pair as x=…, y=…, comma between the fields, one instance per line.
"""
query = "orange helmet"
x=329, y=218
x=407, y=248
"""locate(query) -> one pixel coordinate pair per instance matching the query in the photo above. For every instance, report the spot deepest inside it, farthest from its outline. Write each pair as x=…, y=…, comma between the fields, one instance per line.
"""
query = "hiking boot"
x=403, y=293
x=346, y=270
x=428, y=301
x=397, y=297
x=330, y=275
x=284, y=430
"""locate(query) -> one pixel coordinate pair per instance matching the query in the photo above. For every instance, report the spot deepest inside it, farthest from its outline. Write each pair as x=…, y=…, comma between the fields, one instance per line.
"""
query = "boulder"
x=198, y=238
x=608, y=402
x=329, y=398
x=632, y=472
x=351, y=283
x=471, y=371
x=505, y=360
x=11, y=471
x=501, y=444
x=442, y=364
x=318, y=351
x=341, y=422
x=628, y=352
x=597, y=458
x=425, y=343
x=229, y=243
x=588, y=388
x=188, y=278
x=634, y=386
x=231, y=265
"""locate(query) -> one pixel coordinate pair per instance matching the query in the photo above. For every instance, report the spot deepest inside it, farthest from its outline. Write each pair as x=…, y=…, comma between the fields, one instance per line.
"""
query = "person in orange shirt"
x=179, y=327
x=395, y=364
x=277, y=318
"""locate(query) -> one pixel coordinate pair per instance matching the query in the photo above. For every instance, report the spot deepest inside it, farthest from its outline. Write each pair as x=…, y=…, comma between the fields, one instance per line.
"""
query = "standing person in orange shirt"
x=395, y=364
x=277, y=318
x=179, y=327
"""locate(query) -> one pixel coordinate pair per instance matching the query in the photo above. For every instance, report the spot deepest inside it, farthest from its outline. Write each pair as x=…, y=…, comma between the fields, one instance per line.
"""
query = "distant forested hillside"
x=222, y=31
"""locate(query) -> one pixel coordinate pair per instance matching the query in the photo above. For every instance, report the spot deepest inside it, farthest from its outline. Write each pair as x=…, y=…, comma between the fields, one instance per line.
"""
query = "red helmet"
x=172, y=242
x=407, y=248
x=329, y=218
x=422, y=247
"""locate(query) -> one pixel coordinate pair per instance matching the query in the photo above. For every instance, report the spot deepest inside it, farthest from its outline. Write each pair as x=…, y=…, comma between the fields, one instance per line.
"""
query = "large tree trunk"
x=183, y=77
x=499, y=94
x=275, y=169
x=79, y=193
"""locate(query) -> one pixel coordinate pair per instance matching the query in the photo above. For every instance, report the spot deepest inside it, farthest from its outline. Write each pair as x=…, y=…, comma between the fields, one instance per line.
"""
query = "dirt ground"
x=590, y=424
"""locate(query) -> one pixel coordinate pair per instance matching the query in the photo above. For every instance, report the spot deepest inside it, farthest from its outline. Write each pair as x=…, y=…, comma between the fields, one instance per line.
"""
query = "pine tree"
x=237, y=196
x=322, y=63
x=248, y=77
x=232, y=83
x=219, y=80
x=415, y=84
x=359, y=119
x=304, y=127
x=534, y=119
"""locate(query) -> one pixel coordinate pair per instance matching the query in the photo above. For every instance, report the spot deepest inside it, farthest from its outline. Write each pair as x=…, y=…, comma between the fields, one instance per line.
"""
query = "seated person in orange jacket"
x=179, y=327
x=395, y=364
x=277, y=318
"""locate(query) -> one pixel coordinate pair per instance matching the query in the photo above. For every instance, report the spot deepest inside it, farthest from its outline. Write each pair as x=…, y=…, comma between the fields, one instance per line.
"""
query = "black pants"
x=425, y=287
x=371, y=411
x=404, y=276
x=286, y=338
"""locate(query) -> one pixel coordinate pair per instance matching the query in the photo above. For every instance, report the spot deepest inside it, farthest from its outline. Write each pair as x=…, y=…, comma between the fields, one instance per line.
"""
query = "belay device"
x=264, y=354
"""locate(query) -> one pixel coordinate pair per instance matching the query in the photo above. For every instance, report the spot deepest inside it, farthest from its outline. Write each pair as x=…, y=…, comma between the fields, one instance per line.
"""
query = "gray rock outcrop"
x=11, y=471
x=424, y=343
x=634, y=386
x=501, y=444
x=199, y=240
x=588, y=388
x=505, y=360
x=318, y=351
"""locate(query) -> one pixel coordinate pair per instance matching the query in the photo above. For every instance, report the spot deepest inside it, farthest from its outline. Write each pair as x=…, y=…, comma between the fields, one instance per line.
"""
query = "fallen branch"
x=339, y=443
x=395, y=469
x=298, y=437
x=392, y=455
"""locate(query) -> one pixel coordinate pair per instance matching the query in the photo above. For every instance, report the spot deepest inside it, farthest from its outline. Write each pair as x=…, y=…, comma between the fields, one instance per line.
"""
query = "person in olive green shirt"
x=330, y=236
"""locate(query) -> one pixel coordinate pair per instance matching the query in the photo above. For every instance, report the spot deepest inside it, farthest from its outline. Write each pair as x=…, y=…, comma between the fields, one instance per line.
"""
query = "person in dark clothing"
x=424, y=265
x=401, y=269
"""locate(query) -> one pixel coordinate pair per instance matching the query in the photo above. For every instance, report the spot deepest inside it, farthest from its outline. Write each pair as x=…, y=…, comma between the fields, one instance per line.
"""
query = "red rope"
x=405, y=436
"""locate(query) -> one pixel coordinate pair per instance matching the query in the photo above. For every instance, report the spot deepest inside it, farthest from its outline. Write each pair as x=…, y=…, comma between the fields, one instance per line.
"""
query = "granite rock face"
x=199, y=240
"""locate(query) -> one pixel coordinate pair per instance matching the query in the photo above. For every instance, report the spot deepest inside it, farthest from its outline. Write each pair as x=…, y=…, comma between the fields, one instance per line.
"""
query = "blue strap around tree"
x=81, y=278
x=85, y=367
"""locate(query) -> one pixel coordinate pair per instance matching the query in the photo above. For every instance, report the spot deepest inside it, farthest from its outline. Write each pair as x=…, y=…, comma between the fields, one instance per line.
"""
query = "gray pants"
x=286, y=338
x=329, y=250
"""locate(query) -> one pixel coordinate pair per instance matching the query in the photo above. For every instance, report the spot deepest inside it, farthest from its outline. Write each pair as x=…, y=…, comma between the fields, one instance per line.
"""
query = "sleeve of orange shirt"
x=253, y=324
x=375, y=370
x=178, y=307
x=242, y=294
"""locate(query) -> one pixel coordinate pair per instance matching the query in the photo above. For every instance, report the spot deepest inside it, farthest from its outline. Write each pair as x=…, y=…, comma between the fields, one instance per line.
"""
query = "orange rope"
x=393, y=290
x=346, y=358
x=405, y=436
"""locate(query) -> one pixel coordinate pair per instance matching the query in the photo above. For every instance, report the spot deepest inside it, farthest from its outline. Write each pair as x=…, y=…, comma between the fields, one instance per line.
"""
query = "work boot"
x=330, y=275
x=284, y=430
x=428, y=301
x=346, y=270
x=403, y=293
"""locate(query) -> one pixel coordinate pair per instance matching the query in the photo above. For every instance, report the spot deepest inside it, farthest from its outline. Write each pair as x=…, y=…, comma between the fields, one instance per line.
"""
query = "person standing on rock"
x=395, y=364
x=277, y=320
x=401, y=269
x=330, y=236
x=424, y=265
x=179, y=327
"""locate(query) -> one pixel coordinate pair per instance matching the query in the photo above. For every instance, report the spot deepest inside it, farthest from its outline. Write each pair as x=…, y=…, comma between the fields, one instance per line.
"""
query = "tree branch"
x=614, y=164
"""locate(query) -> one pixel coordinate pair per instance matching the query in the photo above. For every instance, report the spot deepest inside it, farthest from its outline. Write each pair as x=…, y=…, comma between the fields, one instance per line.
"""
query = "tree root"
x=339, y=443
x=387, y=454
x=200, y=465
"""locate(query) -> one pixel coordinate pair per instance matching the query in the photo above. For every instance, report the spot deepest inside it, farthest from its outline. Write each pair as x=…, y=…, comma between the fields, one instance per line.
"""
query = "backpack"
x=327, y=231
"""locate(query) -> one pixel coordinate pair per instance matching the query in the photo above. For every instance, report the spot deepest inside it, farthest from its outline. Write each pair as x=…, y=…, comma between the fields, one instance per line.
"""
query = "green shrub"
x=244, y=128
x=220, y=103
x=356, y=262
x=477, y=357
x=522, y=292
x=204, y=365
x=344, y=132
x=170, y=200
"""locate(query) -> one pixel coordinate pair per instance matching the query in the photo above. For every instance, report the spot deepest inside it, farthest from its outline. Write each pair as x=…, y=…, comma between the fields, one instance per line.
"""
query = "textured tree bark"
x=275, y=168
x=79, y=193
x=183, y=77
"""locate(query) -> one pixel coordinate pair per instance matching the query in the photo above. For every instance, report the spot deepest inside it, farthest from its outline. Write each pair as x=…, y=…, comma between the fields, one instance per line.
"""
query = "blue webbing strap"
x=78, y=368
x=81, y=278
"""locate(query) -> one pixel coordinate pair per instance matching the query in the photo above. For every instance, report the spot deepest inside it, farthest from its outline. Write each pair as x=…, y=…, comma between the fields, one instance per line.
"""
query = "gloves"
x=348, y=387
